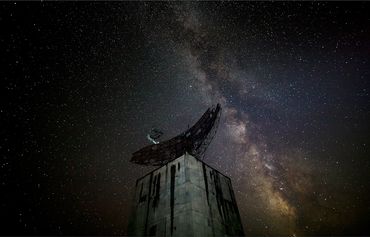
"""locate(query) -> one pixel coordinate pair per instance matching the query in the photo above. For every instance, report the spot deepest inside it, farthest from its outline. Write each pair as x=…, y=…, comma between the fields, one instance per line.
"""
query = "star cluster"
x=85, y=82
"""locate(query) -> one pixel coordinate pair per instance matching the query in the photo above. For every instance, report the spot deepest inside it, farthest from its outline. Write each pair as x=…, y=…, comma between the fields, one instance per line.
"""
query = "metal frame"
x=195, y=141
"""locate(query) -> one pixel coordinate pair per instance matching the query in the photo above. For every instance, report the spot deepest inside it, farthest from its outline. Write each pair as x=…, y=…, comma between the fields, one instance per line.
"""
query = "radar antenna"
x=194, y=140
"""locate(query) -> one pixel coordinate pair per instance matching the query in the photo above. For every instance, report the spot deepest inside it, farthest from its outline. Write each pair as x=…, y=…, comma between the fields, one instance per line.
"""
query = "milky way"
x=86, y=82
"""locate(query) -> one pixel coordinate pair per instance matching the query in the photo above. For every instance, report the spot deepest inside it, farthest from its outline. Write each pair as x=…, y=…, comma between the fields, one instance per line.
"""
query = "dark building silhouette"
x=185, y=197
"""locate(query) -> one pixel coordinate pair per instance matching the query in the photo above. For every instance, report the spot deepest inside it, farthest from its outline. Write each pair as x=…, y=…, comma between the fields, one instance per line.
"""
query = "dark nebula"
x=83, y=83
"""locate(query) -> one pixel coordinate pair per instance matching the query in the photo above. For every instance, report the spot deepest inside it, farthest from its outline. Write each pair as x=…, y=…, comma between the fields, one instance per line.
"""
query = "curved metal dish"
x=195, y=141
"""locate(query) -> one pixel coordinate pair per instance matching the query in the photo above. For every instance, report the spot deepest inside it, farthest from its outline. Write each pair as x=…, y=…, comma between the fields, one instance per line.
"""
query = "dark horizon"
x=85, y=82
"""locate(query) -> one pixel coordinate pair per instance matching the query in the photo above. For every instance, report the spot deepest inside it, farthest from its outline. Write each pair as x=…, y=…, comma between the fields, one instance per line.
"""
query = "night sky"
x=83, y=83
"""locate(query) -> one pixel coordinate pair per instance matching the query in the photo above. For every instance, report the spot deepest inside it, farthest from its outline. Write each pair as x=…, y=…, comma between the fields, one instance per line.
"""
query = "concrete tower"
x=185, y=197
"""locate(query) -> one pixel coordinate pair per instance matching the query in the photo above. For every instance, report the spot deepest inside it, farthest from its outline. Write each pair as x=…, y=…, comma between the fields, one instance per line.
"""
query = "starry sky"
x=83, y=83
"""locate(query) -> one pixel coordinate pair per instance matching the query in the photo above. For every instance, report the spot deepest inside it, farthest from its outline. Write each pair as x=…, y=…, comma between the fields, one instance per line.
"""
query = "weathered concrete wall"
x=185, y=197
